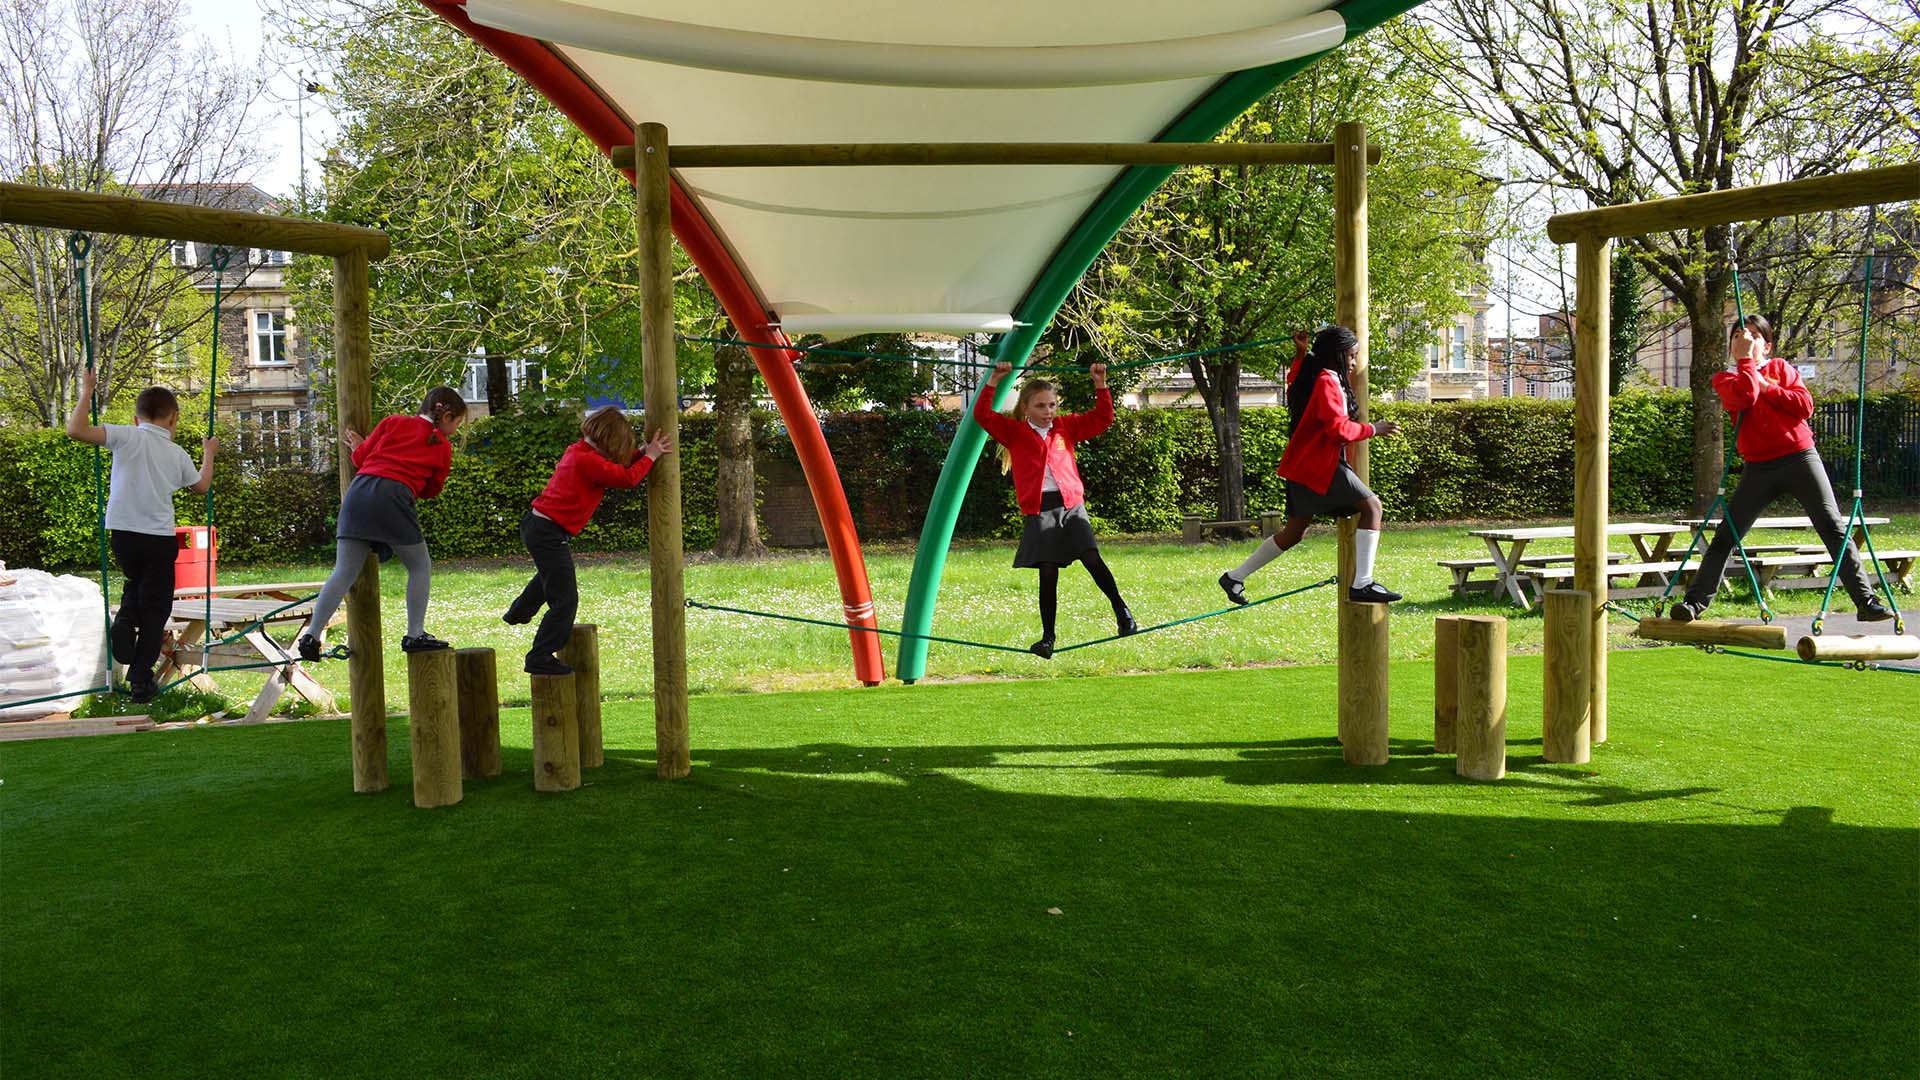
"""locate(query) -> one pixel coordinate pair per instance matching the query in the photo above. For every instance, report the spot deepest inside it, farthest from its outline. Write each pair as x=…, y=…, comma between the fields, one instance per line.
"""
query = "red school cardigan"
x=1313, y=452
x=1777, y=405
x=1032, y=456
x=408, y=450
x=582, y=477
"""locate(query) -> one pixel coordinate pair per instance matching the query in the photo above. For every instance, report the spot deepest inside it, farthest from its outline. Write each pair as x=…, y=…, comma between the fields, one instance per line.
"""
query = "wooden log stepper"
x=1567, y=698
x=479, y=713
x=582, y=654
x=433, y=707
x=1481, y=693
x=1446, y=672
x=556, y=734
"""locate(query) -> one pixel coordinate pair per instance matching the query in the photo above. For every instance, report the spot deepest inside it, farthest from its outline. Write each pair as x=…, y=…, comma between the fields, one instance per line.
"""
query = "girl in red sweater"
x=1319, y=480
x=1036, y=446
x=1773, y=405
x=603, y=458
x=404, y=459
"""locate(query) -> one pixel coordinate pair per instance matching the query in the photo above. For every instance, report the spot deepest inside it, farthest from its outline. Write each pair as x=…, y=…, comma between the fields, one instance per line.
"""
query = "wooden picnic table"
x=243, y=612
x=1779, y=523
x=1650, y=541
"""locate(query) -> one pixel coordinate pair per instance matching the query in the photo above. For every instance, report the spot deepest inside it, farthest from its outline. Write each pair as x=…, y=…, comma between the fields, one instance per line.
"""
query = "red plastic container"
x=194, y=565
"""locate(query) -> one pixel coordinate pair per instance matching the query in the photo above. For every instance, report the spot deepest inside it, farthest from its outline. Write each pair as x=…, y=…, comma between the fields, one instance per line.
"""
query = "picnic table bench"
x=1464, y=582
x=1766, y=571
x=1508, y=549
x=243, y=612
x=1196, y=527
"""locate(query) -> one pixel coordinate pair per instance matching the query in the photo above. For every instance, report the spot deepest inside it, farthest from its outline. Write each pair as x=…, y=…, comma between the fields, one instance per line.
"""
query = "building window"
x=1434, y=352
x=270, y=337
x=276, y=439
x=521, y=376
x=181, y=251
x=1459, y=348
x=269, y=257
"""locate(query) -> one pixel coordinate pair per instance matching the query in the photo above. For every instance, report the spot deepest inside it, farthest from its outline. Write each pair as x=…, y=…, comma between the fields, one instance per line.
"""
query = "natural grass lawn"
x=982, y=599
x=857, y=883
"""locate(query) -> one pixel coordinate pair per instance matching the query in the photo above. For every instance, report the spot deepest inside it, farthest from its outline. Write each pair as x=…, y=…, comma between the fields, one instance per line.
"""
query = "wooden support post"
x=556, y=735
x=1591, y=398
x=1362, y=627
x=671, y=743
x=353, y=398
x=1446, y=679
x=1566, y=734
x=1482, y=696
x=433, y=709
x=478, y=677
x=582, y=654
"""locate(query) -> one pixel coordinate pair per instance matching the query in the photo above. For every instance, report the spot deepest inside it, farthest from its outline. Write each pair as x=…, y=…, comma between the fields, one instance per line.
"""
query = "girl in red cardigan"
x=404, y=459
x=1319, y=480
x=1037, y=448
x=603, y=458
x=1778, y=447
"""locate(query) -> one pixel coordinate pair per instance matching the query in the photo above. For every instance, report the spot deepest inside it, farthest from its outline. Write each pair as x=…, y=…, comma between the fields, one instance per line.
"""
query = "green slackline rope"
x=1857, y=515
x=809, y=350
x=1004, y=648
x=1720, y=498
x=80, y=246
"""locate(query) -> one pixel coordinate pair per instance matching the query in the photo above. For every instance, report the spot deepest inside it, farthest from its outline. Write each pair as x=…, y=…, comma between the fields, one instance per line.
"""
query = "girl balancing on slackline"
x=1319, y=480
x=1036, y=446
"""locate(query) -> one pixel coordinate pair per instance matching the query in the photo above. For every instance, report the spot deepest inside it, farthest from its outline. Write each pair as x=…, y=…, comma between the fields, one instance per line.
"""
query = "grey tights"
x=350, y=556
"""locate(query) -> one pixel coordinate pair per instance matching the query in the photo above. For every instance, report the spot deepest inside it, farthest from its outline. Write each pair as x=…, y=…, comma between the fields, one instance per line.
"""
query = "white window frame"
x=259, y=336
x=473, y=382
x=269, y=257
x=180, y=253
x=279, y=437
x=1457, y=353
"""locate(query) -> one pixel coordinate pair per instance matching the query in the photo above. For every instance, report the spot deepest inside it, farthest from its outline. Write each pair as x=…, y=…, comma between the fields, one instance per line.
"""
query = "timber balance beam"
x=1745, y=635
x=1876, y=647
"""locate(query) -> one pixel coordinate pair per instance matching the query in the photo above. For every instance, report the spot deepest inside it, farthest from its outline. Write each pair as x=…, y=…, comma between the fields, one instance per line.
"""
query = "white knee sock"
x=1262, y=555
x=1365, y=543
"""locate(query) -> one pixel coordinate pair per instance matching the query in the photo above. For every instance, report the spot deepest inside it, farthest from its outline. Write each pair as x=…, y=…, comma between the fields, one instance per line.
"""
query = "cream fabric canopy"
x=844, y=250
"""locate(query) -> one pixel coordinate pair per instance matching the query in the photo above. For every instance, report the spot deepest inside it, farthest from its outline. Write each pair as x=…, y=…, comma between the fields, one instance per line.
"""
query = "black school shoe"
x=1123, y=620
x=1236, y=590
x=514, y=618
x=141, y=692
x=1874, y=611
x=1042, y=648
x=546, y=665
x=1686, y=611
x=424, y=643
x=1372, y=593
x=309, y=647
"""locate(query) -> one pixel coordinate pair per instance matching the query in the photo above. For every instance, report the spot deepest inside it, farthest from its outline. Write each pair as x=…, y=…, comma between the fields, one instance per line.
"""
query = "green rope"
x=991, y=645
x=218, y=258
x=80, y=246
x=1857, y=515
x=822, y=350
x=1197, y=618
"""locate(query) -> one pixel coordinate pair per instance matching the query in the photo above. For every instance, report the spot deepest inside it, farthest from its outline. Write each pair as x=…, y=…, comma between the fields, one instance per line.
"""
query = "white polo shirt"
x=148, y=467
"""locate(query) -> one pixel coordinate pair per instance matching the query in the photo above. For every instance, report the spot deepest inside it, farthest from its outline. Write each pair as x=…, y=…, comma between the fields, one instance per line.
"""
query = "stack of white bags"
x=52, y=640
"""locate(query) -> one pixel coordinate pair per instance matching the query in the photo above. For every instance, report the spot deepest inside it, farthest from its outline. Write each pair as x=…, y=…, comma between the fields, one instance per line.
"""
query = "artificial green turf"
x=857, y=883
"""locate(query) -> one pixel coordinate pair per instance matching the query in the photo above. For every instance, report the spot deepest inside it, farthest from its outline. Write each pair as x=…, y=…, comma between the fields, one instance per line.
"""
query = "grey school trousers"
x=1802, y=476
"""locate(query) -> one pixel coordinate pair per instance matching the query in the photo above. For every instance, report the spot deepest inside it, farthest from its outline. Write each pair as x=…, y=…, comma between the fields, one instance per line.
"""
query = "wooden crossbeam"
x=790, y=155
x=90, y=211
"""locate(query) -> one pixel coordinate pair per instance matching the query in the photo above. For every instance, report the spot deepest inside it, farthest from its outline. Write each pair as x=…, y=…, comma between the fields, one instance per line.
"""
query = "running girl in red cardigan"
x=1778, y=447
x=1319, y=480
x=603, y=458
x=404, y=459
x=1037, y=448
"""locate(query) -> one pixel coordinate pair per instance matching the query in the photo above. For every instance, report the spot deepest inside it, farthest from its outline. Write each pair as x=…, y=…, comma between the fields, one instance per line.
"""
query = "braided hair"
x=1331, y=347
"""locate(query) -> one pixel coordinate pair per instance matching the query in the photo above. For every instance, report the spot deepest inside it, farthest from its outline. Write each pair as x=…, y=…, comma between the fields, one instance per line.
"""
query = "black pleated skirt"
x=1055, y=536
x=381, y=512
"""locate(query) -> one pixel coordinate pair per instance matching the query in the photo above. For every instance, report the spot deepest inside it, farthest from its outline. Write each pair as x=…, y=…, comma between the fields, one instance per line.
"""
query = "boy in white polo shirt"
x=148, y=467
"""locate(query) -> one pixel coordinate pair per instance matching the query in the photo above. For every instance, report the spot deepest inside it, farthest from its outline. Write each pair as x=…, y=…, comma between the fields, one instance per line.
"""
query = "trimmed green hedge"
x=1508, y=458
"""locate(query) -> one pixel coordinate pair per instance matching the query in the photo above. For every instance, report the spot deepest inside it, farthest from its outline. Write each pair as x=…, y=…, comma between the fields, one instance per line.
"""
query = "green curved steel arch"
x=1233, y=96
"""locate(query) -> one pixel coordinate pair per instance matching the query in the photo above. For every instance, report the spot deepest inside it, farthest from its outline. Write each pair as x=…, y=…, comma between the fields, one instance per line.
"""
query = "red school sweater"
x=407, y=449
x=1033, y=456
x=1776, y=403
x=1313, y=452
x=582, y=477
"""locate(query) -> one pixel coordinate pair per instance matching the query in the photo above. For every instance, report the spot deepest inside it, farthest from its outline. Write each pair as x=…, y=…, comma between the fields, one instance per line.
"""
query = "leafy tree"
x=1225, y=256
x=1616, y=102
x=102, y=98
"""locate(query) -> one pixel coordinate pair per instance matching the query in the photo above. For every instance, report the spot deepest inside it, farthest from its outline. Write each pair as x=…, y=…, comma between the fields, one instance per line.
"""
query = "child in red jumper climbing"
x=1319, y=480
x=1776, y=442
x=603, y=458
x=1036, y=446
x=404, y=459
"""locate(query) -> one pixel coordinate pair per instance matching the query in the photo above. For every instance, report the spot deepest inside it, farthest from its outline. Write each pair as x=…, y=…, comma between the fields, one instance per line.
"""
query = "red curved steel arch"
x=602, y=123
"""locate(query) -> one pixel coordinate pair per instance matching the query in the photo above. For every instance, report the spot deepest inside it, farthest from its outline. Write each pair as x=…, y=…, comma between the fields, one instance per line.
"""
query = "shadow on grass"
x=838, y=909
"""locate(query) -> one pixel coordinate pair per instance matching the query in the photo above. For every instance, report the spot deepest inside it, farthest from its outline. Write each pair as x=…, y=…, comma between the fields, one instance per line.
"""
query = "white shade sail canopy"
x=933, y=248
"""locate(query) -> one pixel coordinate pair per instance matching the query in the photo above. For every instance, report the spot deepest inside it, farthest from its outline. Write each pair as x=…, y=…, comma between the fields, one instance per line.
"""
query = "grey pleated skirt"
x=380, y=512
x=1343, y=496
x=1055, y=536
